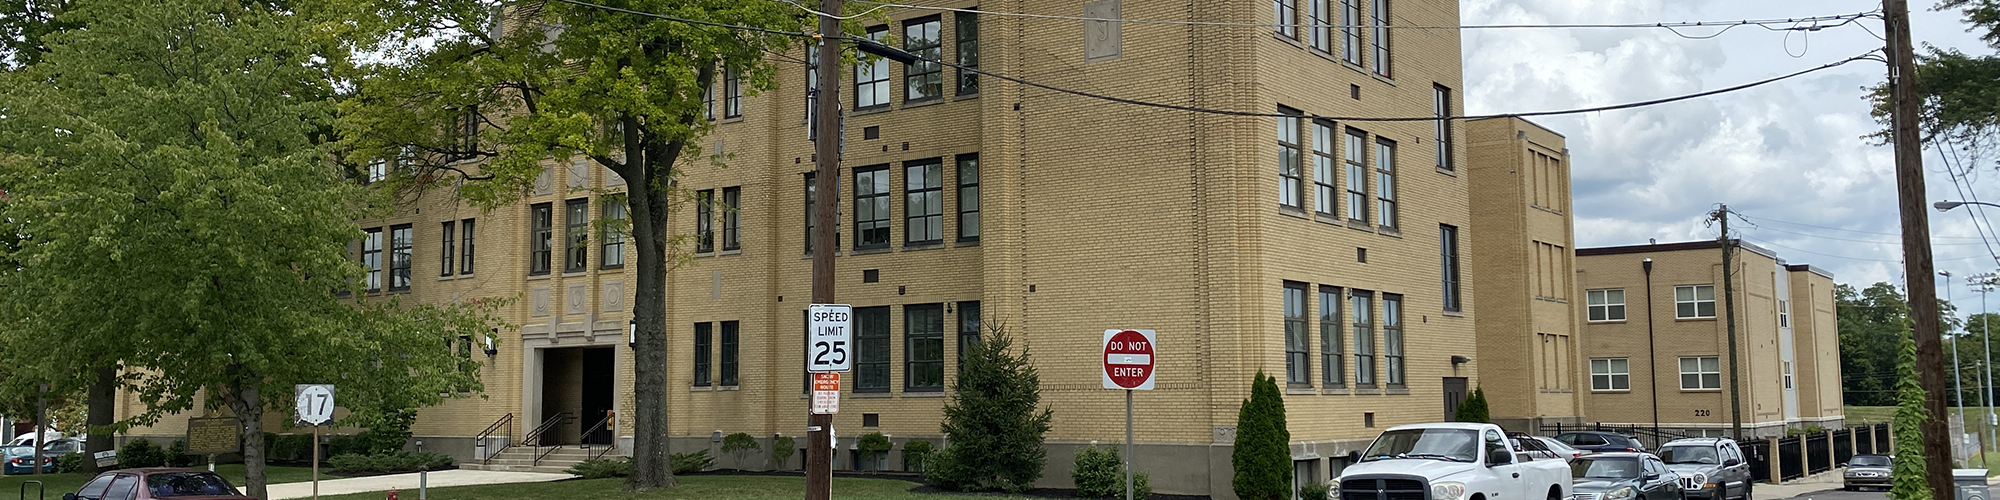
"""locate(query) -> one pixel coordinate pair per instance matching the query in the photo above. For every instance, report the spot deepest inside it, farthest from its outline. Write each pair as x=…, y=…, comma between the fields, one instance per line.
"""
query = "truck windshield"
x=1688, y=455
x=1612, y=468
x=1456, y=445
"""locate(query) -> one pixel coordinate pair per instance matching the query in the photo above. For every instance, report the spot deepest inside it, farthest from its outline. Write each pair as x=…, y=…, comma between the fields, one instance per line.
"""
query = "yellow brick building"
x=1787, y=345
x=1327, y=252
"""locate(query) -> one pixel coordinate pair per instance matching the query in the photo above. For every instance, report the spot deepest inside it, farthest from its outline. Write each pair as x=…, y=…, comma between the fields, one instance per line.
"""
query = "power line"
x=1766, y=23
x=1976, y=212
x=1877, y=242
x=1764, y=242
x=1830, y=228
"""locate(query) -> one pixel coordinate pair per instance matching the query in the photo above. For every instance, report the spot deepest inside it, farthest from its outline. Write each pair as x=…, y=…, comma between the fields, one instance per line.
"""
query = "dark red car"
x=144, y=484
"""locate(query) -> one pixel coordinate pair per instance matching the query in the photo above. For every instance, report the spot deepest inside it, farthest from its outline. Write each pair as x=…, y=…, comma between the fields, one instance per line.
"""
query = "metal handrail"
x=506, y=421
x=536, y=435
x=583, y=439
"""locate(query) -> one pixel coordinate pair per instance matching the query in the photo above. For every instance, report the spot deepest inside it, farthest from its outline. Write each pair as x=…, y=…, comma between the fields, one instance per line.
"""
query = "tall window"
x=923, y=344
x=704, y=221
x=465, y=249
x=871, y=349
x=1448, y=260
x=968, y=52
x=1362, y=303
x=1788, y=375
x=871, y=75
x=1441, y=105
x=968, y=328
x=708, y=101
x=576, y=215
x=378, y=171
x=732, y=93
x=704, y=334
x=1694, y=301
x=1357, y=175
x=1605, y=305
x=1350, y=31
x=371, y=258
x=1784, y=313
x=729, y=343
x=968, y=197
x=540, y=235
x=1322, y=29
x=1380, y=16
x=1287, y=13
x=1330, y=338
x=613, y=254
x=923, y=201
x=445, y=248
x=812, y=208
x=1385, y=180
x=1392, y=337
x=871, y=207
x=1288, y=158
x=732, y=218
x=1323, y=168
x=1700, y=373
x=400, y=239
x=1298, y=366
x=923, y=79
x=1610, y=374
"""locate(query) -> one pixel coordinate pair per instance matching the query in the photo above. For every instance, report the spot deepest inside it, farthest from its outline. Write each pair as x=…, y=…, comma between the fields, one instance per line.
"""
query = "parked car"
x=145, y=484
x=1623, y=476
x=19, y=460
x=1865, y=471
x=1558, y=447
x=1710, y=468
x=1601, y=441
x=1451, y=461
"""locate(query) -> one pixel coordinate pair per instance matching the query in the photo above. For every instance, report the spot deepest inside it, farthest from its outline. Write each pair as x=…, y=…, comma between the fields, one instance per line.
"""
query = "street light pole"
x=1957, y=382
x=1652, y=357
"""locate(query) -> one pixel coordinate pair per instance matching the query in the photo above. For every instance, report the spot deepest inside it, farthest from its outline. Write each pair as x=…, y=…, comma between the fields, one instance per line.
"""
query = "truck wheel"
x=1746, y=489
x=1555, y=493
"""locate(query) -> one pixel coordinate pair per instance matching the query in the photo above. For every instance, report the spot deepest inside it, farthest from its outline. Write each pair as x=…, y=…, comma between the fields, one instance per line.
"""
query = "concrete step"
x=546, y=467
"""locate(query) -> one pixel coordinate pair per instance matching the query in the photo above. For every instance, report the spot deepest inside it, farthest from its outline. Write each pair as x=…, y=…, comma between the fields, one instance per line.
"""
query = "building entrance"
x=577, y=395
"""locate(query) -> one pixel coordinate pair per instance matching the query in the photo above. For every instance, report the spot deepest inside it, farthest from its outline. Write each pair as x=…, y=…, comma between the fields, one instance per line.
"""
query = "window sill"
x=967, y=242
x=1446, y=171
x=1360, y=225
x=1388, y=231
x=727, y=388
x=539, y=277
x=1714, y=391
x=575, y=274
x=732, y=119
x=1710, y=318
x=1327, y=218
x=937, y=393
x=1453, y=314
x=710, y=253
x=447, y=277
x=619, y=267
x=738, y=251
x=1292, y=39
x=1610, y=391
x=1556, y=391
x=1398, y=391
x=918, y=103
x=1547, y=209
x=874, y=250
x=1336, y=391
x=1328, y=56
x=1356, y=66
x=1367, y=391
x=927, y=245
x=700, y=388
x=961, y=95
x=1292, y=211
x=1552, y=299
x=869, y=395
x=879, y=108
x=1384, y=79
x=1301, y=390
x=1605, y=322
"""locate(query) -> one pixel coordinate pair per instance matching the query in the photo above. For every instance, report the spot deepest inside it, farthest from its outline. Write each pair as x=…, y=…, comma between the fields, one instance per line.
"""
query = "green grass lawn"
x=716, y=487
x=58, y=484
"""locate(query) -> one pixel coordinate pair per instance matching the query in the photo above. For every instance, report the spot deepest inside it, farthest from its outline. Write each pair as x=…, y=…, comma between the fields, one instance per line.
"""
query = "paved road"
x=1837, y=494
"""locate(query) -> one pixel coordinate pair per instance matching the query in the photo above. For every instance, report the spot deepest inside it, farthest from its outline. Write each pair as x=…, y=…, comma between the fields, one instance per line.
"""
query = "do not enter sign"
x=1128, y=359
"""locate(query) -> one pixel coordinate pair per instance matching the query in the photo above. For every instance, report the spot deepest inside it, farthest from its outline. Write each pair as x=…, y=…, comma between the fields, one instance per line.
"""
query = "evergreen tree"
x=1907, y=477
x=992, y=427
x=1474, y=408
x=1263, y=456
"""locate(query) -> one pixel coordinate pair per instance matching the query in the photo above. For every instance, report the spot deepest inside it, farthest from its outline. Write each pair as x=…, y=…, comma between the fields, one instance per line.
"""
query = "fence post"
x=1832, y=457
x=1777, y=460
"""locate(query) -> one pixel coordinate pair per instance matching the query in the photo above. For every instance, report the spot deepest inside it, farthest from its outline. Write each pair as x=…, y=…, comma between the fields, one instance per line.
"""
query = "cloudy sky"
x=1789, y=155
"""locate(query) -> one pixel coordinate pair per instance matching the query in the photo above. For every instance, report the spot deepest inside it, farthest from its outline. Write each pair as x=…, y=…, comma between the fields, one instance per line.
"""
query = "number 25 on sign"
x=829, y=332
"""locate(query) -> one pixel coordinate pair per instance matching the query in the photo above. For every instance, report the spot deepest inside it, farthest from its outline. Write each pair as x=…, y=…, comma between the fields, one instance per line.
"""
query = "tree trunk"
x=102, y=399
x=244, y=400
x=647, y=196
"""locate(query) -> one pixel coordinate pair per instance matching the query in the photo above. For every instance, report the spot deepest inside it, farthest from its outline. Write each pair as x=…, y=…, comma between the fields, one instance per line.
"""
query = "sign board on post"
x=1128, y=359
x=826, y=393
x=829, y=336
x=315, y=403
x=209, y=436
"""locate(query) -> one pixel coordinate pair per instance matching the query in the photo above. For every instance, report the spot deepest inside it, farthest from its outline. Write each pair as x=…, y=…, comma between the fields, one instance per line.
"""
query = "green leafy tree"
x=1474, y=408
x=172, y=211
x=739, y=445
x=1907, y=480
x=993, y=425
x=1870, y=325
x=1262, y=457
x=1958, y=92
x=514, y=86
x=24, y=24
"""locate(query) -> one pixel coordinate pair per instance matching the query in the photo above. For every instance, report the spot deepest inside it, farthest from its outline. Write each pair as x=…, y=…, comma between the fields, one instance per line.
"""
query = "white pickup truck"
x=1452, y=461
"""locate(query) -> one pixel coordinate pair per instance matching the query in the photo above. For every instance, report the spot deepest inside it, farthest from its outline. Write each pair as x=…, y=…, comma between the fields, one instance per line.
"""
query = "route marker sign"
x=315, y=403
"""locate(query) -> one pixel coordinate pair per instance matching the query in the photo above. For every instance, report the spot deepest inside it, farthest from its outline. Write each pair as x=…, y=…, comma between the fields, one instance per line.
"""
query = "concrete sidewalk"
x=407, y=482
x=1811, y=484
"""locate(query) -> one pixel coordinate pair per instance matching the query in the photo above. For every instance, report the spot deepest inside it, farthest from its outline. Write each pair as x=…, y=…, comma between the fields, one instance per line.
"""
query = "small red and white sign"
x=1128, y=359
x=826, y=393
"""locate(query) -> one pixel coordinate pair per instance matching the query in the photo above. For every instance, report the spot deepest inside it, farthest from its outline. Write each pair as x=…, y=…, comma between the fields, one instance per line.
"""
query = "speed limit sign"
x=829, y=337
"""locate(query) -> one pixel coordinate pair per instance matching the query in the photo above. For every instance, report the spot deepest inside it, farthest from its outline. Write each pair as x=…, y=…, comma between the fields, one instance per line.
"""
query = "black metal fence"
x=1758, y=451
x=1791, y=458
x=1843, y=445
x=1819, y=453
x=1794, y=456
x=1882, y=439
x=1651, y=437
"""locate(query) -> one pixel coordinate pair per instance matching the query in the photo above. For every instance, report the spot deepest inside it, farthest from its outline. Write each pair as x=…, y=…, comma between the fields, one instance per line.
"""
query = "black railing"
x=505, y=422
x=1791, y=458
x=1882, y=444
x=1646, y=434
x=1758, y=452
x=1843, y=446
x=1819, y=453
x=585, y=437
x=541, y=431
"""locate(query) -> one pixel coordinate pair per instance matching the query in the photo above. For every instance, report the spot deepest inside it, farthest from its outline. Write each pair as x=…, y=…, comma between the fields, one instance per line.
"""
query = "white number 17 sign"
x=315, y=403
x=829, y=337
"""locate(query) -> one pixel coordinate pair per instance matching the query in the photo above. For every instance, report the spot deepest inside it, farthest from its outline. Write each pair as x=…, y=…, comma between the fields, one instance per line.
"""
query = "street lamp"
x=1652, y=357
x=1947, y=205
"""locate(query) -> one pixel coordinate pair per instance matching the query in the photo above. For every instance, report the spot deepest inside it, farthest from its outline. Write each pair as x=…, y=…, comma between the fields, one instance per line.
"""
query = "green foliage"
x=1870, y=325
x=141, y=452
x=739, y=445
x=599, y=468
x=689, y=463
x=1262, y=457
x=915, y=453
x=70, y=462
x=1907, y=480
x=177, y=455
x=392, y=462
x=873, y=442
x=992, y=422
x=341, y=444
x=388, y=430
x=1314, y=491
x=782, y=450
x=288, y=447
x=1812, y=429
x=1474, y=408
x=1099, y=473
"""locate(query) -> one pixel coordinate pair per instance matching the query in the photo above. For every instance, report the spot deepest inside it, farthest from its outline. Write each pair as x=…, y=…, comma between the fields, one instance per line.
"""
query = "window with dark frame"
x=1441, y=104
x=1610, y=374
x=1298, y=363
x=967, y=24
x=446, y=247
x=1357, y=175
x=732, y=94
x=378, y=171
x=1700, y=373
x=576, y=229
x=923, y=201
x=1324, y=168
x=1350, y=31
x=401, y=238
x=1448, y=262
x=704, y=221
x=871, y=75
x=708, y=102
x=1289, y=187
x=871, y=207
x=968, y=197
x=923, y=79
x=969, y=324
x=871, y=349
x=704, y=334
x=1379, y=13
x=465, y=227
x=1361, y=304
x=923, y=344
x=1322, y=29
x=1392, y=338
x=540, y=238
x=732, y=218
x=812, y=208
x=1605, y=305
x=727, y=377
x=1385, y=181
x=371, y=258
x=1287, y=13
x=1332, y=374
x=1694, y=301
x=612, y=255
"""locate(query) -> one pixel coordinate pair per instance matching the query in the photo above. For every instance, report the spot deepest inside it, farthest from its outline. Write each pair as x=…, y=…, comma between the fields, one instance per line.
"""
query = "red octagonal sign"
x=1128, y=359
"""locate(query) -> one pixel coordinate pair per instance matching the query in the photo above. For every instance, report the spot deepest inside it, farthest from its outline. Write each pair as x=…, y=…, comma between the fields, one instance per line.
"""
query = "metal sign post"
x=314, y=408
x=1128, y=365
x=829, y=342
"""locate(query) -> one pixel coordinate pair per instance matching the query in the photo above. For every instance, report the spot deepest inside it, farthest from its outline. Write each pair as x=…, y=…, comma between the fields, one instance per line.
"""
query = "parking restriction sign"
x=826, y=393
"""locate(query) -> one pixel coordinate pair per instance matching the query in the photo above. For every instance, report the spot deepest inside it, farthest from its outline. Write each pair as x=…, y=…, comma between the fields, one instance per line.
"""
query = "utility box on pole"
x=1971, y=483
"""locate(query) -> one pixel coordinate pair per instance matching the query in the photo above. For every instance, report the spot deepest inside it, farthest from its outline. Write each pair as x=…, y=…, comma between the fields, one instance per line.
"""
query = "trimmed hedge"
x=397, y=461
x=598, y=468
x=1099, y=473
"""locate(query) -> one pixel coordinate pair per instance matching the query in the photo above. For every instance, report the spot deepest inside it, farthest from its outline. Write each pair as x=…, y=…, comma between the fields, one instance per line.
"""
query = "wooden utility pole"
x=826, y=187
x=1917, y=270
x=1729, y=316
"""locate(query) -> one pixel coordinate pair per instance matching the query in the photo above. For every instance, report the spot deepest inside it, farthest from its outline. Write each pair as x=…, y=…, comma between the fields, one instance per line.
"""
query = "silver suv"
x=1710, y=468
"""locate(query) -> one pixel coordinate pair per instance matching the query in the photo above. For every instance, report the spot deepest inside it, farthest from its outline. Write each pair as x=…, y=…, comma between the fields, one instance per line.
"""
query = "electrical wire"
x=1767, y=219
x=1978, y=207
x=1801, y=250
x=1876, y=242
x=1681, y=24
x=1952, y=172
